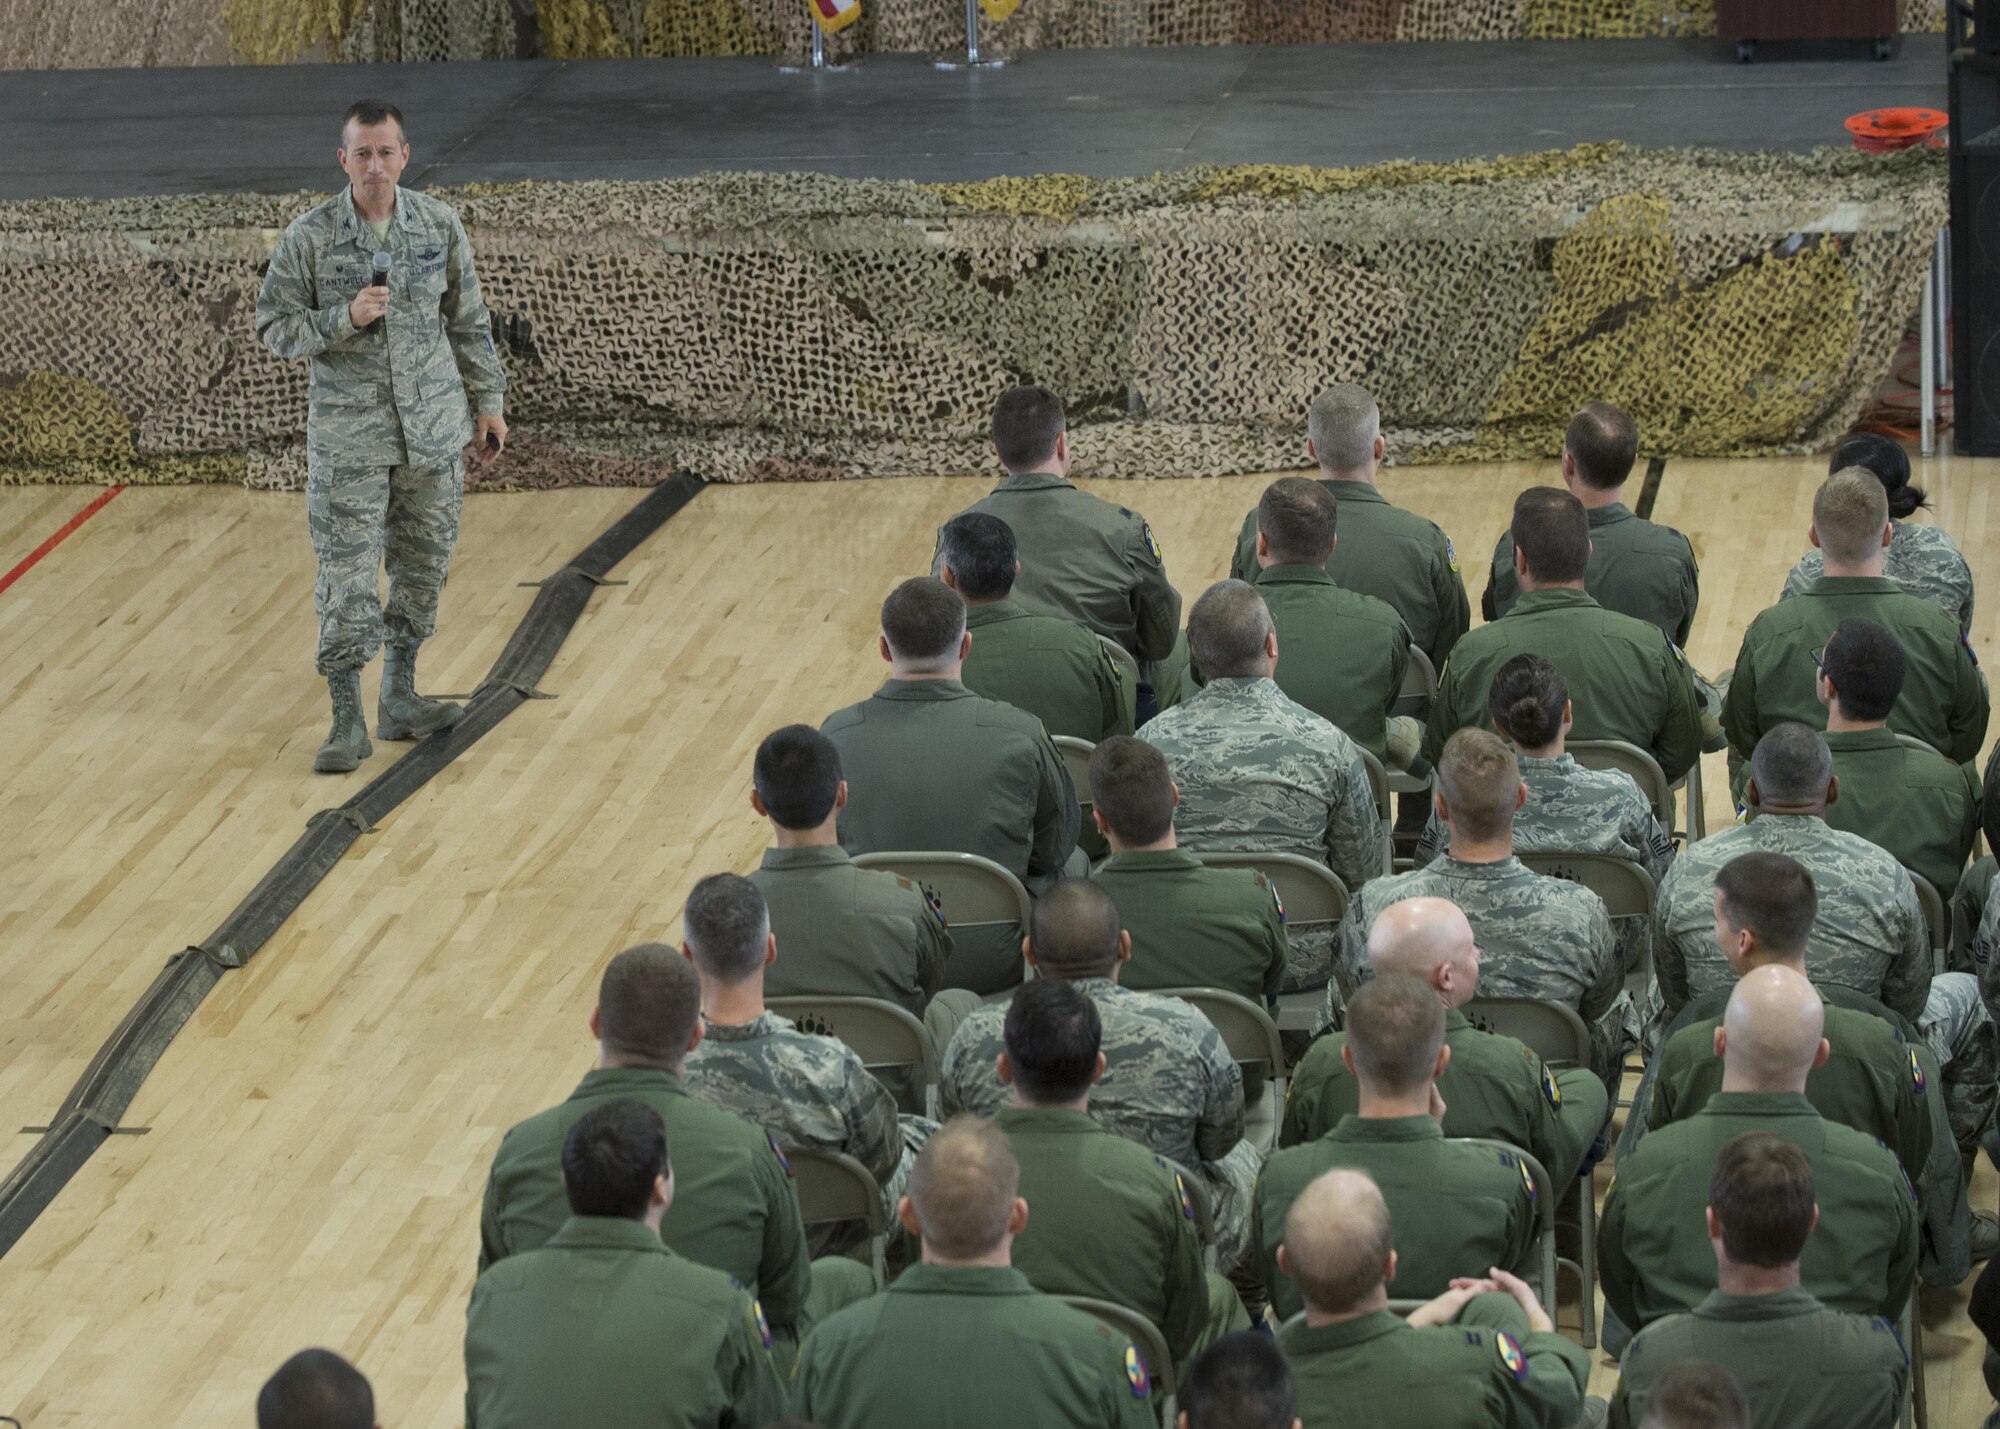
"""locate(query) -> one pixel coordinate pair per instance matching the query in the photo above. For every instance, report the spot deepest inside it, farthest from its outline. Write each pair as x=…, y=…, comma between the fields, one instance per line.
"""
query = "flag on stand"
x=834, y=16
x=999, y=9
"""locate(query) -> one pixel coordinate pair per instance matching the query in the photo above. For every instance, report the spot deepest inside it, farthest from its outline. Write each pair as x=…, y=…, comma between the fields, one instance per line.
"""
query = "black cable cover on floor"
x=92, y=1110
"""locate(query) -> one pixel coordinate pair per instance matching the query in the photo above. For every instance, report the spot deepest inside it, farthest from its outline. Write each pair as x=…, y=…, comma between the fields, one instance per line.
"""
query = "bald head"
x=1772, y=1031
x=1427, y=938
x=1337, y=1241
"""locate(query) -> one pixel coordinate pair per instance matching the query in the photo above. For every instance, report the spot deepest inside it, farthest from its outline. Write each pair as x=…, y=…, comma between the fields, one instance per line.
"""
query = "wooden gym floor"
x=315, y=1142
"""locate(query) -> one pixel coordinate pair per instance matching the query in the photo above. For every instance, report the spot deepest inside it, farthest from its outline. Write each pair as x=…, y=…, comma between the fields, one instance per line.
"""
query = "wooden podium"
x=1748, y=21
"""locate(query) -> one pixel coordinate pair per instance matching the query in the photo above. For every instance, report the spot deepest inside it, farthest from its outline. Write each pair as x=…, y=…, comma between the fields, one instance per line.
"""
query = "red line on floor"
x=103, y=499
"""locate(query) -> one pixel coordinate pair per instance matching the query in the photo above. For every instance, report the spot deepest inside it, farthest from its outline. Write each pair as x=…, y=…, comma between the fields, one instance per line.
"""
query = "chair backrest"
x=1545, y=1211
x=1247, y=1029
x=1310, y=891
x=1076, y=759
x=1555, y=1033
x=1631, y=759
x=881, y=1033
x=1378, y=784
x=1122, y=658
x=970, y=890
x=1420, y=685
x=1625, y=887
x=1936, y=923
x=833, y=1186
x=1142, y=1332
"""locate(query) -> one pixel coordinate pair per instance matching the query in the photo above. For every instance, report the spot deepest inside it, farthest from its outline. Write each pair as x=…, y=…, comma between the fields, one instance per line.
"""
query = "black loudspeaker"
x=1975, y=236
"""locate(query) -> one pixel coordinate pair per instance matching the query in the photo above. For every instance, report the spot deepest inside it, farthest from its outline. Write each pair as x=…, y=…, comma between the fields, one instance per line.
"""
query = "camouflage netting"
x=51, y=34
x=763, y=326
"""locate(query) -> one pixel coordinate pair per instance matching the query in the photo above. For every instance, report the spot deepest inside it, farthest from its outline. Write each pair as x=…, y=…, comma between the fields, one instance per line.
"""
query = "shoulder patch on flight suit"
x=1916, y=1073
x=1136, y=1373
x=1527, y=1176
x=763, y=1325
x=779, y=1153
x=1187, y=1201
x=1550, y=1090
x=1451, y=555
x=1511, y=1357
x=1275, y=899
x=1152, y=541
x=931, y=899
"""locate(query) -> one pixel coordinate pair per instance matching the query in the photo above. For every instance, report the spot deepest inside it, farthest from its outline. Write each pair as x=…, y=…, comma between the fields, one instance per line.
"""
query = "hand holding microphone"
x=371, y=302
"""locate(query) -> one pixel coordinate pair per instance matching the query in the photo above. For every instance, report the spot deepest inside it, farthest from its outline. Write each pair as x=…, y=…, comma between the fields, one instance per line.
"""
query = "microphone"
x=381, y=262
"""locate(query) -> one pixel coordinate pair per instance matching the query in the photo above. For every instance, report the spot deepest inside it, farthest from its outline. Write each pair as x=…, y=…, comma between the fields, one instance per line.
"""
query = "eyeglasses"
x=1819, y=663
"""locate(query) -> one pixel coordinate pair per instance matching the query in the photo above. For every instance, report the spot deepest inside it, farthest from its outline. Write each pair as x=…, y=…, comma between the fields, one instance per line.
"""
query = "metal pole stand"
x=1933, y=328
x=975, y=58
x=816, y=61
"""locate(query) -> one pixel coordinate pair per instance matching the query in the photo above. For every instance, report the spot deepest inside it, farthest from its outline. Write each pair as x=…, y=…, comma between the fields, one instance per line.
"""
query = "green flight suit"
x=1196, y=926
x=1110, y=1220
x=1637, y=568
x=970, y=1347
x=1396, y=556
x=1626, y=680
x=1944, y=702
x=1341, y=654
x=605, y=1326
x=734, y=1208
x=1653, y=1256
x=1485, y=1370
x=1797, y=1362
x=1054, y=669
x=1915, y=803
x=1086, y=559
x=1459, y=1209
x=849, y=932
x=1494, y=1087
x=930, y=766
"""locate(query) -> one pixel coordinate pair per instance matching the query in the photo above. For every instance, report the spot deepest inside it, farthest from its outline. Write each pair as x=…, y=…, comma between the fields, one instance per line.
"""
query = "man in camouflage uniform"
x=1055, y=669
x=1539, y=937
x=1191, y=925
x=391, y=370
x=1464, y=1207
x=1394, y=555
x=1081, y=557
x=1869, y=936
x=1259, y=773
x=808, y=1092
x=1493, y=1087
x=1169, y=1082
x=936, y=768
x=1485, y=1353
x=1629, y=682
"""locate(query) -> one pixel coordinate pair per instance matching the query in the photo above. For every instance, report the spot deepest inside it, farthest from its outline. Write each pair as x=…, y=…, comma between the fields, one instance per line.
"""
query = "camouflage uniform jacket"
x=1869, y=935
x=1572, y=809
x=806, y=1091
x=1637, y=568
x=1986, y=949
x=1923, y=560
x=394, y=392
x=1169, y=1082
x=1261, y=773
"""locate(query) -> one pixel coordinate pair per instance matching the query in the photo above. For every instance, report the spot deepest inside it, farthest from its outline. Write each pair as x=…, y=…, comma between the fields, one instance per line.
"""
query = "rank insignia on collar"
x=763, y=1325
x=1136, y=1373
x=1917, y=1073
x=1550, y=1089
x=1511, y=1356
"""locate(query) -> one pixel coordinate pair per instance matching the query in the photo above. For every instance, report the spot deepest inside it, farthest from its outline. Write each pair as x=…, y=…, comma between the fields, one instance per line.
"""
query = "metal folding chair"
x=1312, y=893
x=1937, y=922
x=1076, y=759
x=883, y=1034
x=1645, y=771
x=1252, y=1039
x=1146, y=1337
x=832, y=1186
x=971, y=891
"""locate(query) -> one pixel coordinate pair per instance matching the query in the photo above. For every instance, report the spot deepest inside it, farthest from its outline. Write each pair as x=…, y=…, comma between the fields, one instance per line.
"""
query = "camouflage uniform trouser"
x=1231, y=1184
x=362, y=518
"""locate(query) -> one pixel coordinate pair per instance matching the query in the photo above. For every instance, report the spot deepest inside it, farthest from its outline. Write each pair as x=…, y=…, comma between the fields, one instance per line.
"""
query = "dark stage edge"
x=1107, y=113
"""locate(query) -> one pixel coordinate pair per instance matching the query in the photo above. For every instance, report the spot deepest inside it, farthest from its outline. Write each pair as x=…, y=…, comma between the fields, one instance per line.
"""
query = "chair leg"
x=1587, y=1194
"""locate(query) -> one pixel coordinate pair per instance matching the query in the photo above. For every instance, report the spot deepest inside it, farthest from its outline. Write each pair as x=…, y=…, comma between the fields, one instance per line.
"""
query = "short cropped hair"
x=1053, y=1033
x=1226, y=630
x=1299, y=518
x=1336, y=1263
x=1342, y=426
x=728, y=928
x=1479, y=776
x=612, y=1157
x=1890, y=463
x=1551, y=530
x=1526, y=701
x=1849, y=510
x=922, y=620
x=1762, y=1194
x=1603, y=441
x=1242, y=1381
x=1792, y=766
x=797, y=775
x=1771, y=897
x=1133, y=787
x=963, y=1186
x=316, y=1389
x=647, y=1005
x=1026, y=423
x=372, y=111
x=1074, y=930
x=1395, y=1025
x=1865, y=661
x=981, y=552
x=1696, y=1394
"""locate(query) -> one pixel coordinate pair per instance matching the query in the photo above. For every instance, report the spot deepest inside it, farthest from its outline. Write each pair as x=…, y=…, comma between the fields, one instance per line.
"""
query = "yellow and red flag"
x=834, y=16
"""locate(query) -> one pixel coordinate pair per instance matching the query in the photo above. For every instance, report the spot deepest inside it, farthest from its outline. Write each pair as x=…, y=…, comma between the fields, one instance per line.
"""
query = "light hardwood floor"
x=319, y=1134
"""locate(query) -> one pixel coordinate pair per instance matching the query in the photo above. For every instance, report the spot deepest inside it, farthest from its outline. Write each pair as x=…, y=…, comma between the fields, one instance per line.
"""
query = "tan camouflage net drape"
x=51, y=34
x=763, y=326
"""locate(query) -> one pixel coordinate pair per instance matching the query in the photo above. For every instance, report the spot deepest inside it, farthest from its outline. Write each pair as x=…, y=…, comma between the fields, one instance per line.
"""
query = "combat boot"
x=347, y=743
x=402, y=713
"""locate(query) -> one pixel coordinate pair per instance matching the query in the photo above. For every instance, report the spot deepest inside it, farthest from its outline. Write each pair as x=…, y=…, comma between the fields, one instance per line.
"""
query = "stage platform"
x=1105, y=113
